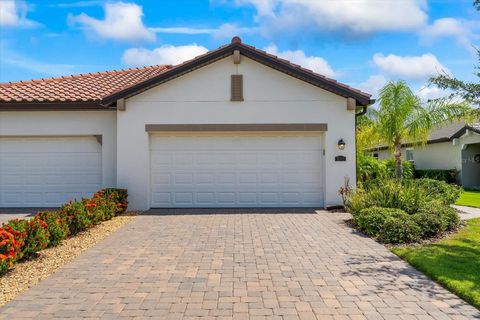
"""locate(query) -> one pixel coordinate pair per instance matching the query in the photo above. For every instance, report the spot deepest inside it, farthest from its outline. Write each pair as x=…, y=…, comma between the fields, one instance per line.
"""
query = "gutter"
x=365, y=108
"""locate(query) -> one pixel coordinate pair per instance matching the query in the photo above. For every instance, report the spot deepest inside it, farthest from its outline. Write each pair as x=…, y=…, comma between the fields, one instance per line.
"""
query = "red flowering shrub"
x=76, y=215
x=9, y=249
x=18, y=228
x=31, y=234
x=105, y=203
x=94, y=213
x=37, y=237
x=57, y=225
x=119, y=196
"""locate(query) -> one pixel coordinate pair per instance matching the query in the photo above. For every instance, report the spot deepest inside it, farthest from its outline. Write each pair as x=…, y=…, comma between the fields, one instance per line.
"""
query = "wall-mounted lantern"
x=341, y=144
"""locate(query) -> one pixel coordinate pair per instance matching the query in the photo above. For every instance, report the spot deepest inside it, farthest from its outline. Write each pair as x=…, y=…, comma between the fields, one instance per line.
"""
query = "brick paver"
x=239, y=266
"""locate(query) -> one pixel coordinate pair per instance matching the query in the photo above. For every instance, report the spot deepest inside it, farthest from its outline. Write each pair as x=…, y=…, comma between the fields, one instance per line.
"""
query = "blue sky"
x=359, y=42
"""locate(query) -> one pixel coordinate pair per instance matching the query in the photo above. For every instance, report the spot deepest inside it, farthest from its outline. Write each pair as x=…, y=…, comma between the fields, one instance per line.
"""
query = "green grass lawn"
x=469, y=199
x=453, y=262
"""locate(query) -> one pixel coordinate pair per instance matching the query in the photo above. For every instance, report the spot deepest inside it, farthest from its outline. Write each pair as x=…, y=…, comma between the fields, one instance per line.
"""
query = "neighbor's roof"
x=446, y=133
x=103, y=89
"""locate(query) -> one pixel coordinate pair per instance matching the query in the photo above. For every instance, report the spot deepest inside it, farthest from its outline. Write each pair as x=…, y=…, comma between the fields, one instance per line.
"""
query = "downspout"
x=365, y=108
x=361, y=113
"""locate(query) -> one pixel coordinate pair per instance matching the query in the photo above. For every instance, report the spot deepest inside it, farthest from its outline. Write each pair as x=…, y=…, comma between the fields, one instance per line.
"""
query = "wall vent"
x=237, y=87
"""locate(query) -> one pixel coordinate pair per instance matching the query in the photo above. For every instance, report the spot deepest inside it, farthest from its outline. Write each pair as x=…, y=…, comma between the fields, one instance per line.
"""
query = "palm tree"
x=402, y=117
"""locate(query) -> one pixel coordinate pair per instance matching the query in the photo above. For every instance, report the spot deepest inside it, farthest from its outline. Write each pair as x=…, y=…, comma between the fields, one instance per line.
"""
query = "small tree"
x=468, y=91
x=402, y=117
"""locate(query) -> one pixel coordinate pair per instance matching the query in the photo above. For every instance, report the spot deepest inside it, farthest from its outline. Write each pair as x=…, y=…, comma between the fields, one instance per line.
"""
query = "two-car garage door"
x=48, y=171
x=236, y=170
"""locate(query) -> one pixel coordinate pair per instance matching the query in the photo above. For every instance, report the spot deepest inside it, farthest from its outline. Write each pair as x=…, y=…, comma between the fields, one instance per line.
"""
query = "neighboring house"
x=236, y=127
x=452, y=147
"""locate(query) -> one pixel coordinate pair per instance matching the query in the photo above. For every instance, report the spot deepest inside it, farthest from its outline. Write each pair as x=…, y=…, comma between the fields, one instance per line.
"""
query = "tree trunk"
x=398, y=161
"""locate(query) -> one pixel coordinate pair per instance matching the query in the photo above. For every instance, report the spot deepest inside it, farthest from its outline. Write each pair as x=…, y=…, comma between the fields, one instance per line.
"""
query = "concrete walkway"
x=228, y=264
x=467, y=212
x=16, y=213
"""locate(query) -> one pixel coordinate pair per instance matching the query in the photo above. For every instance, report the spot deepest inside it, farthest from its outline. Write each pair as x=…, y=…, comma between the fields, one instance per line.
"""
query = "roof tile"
x=83, y=87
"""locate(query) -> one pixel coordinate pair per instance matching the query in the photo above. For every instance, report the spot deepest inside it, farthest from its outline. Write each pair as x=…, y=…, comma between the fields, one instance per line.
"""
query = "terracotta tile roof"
x=254, y=53
x=83, y=87
x=105, y=88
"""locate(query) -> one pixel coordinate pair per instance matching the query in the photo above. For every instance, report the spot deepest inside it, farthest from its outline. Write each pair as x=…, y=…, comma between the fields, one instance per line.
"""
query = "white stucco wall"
x=68, y=123
x=203, y=97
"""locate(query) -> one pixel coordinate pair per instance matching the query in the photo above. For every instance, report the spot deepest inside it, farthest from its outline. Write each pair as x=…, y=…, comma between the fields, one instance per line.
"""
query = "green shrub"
x=369, y=168
x=77, y=216
x=407, y=167
x=18, y=227
x=448, y=176
x=119, y=196
x=400, y=230
x=439, y=190
x=94, y=213
x=57, y=225
x=107, y=205
x=387, y=193
x=9, y=250
x=430, y=223
x=450, y=218
x=371, y=220
x=33, y=233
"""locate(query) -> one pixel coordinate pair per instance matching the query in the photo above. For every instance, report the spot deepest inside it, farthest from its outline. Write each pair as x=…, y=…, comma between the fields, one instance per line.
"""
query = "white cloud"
x=430, y=92
x=226, y=30
x=358, y=17
x=459, y=29
x=182, y=30
x=263, y=7
x=14, y=14
x=314, y=63
x=77, y=4
x=229, y=30
x=166, y=54
x=409, y=67
x=373, y=84
x=123, y=21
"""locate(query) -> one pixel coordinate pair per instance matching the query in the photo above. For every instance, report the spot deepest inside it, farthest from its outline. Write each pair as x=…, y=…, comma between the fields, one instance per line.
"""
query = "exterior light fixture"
x=341, y=144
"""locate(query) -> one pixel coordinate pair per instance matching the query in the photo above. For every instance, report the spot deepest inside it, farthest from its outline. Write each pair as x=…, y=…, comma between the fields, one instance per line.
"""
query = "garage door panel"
x=229, y=170
x=48, y=171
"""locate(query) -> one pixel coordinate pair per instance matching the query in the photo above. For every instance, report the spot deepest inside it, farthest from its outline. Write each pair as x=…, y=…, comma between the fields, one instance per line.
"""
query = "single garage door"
x=236, y=170
x=46, y=171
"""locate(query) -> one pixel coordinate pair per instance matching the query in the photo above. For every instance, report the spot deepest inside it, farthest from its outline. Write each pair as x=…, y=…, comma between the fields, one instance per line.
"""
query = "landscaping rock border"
x=28, y=273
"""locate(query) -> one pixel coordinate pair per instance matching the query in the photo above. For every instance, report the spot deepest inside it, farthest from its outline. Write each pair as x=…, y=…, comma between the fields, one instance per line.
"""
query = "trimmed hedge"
x=439, y=190
x=398, y=230
x=448, y=176
x=404, y=211
x=372, y=220
x=22, y=239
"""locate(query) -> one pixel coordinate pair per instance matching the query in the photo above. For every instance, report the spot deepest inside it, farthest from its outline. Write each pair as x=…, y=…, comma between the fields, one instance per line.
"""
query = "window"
x=375, y=155
x=409, y=155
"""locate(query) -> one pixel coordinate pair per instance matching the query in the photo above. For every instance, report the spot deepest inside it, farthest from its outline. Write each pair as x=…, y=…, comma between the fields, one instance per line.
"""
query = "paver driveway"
x=244, y=266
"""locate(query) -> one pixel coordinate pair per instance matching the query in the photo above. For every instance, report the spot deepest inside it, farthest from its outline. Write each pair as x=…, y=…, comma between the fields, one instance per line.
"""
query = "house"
x=453, y=146
x=235, y=127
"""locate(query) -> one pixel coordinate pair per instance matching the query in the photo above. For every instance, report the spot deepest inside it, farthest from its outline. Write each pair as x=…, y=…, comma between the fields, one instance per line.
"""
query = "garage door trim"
x=233, y=127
